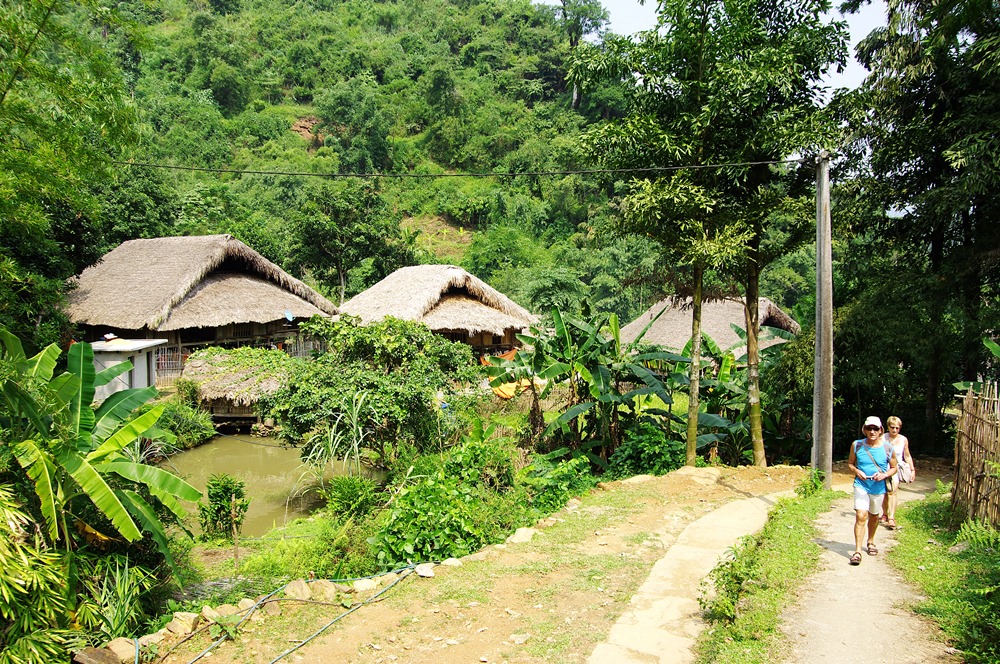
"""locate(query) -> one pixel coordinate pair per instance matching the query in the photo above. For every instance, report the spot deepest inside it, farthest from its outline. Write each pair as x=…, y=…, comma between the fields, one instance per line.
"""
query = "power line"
x=510, y=174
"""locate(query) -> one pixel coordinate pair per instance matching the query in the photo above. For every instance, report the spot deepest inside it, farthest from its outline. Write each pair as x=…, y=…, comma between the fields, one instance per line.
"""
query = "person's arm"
x=852, y=463
x=908, y=458
x=893, y=466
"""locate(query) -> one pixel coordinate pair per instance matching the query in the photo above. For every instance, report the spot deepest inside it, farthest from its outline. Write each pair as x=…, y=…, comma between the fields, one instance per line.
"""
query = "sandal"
x=883, y=519
x=855, y=558
x=872, y=549
x=890, y=524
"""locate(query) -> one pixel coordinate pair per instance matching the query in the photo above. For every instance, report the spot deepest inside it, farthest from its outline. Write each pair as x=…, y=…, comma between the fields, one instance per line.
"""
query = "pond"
x=272, y=474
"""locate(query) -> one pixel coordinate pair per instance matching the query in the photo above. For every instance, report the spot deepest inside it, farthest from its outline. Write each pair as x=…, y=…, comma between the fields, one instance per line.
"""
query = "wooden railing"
x=976, y=492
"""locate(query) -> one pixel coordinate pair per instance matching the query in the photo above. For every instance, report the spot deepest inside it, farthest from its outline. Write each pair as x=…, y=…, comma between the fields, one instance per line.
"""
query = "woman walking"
x=907, y=471
x=873, y=463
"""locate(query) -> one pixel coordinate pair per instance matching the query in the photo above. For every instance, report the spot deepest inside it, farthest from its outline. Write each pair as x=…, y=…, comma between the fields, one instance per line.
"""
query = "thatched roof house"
x=672, y=330
x=230, y=387
x=450, y=301
x=193, y=291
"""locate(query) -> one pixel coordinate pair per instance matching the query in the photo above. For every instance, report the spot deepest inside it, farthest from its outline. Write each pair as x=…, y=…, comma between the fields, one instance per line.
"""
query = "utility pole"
x=822, y=431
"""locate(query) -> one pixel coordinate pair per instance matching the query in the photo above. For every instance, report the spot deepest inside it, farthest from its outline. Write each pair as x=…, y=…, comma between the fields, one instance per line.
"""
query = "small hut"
x=672, y=329
x=230, y=392
x=450, y=301
x=197, y=291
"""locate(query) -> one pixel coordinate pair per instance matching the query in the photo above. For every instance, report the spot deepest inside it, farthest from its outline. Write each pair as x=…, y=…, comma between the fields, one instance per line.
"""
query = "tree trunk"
x=694, y=373
x=752, y=308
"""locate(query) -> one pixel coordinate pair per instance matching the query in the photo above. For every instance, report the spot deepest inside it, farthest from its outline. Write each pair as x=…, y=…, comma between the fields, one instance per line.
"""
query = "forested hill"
x=416, y=87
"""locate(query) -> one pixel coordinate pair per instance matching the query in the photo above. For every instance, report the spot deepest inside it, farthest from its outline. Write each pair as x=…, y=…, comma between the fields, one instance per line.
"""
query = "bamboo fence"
x=977, y=456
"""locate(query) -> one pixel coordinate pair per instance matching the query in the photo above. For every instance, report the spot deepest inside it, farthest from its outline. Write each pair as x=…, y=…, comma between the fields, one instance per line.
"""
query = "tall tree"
x=716, y=83
x=925, y=158
x=581, y=18
x=64, y=115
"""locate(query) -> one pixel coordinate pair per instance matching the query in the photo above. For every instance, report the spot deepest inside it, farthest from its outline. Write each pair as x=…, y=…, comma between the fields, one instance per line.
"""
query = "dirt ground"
x=552, y=599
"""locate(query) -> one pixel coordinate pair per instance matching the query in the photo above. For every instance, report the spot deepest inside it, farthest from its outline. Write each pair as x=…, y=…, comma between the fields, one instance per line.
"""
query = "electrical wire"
x=507, y=174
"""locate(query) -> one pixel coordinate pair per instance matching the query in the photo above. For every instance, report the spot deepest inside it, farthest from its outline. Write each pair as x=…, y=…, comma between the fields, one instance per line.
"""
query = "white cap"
x=871, y=421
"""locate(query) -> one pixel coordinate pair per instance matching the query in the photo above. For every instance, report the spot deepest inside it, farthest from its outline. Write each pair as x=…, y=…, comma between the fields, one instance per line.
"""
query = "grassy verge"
x=957, y=567
x=747, y=593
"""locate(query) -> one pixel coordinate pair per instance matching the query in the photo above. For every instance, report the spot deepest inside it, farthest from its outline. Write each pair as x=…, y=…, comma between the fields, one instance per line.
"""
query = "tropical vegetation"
x=585, y=175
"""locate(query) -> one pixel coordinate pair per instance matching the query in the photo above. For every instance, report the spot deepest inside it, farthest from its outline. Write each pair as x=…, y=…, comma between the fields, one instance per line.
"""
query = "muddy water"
x=272, y=474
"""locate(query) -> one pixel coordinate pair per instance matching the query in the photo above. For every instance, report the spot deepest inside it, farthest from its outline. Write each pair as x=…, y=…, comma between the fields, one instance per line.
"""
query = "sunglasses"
x=873, y=428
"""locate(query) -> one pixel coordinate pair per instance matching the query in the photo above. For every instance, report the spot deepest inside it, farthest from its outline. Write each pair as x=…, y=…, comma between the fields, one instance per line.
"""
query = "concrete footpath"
x=664, y=619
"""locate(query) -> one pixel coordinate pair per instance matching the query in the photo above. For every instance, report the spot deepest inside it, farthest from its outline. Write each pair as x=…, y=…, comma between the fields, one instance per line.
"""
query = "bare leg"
x=891, y=500
x=872, y=527
x=861, y=517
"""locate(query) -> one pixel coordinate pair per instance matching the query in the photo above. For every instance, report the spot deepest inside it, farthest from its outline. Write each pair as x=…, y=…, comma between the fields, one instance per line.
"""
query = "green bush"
x=227, y=506
x=646, y=450
x=187, y=392
x=351, y=496
x=191, y=425
x=550, y=485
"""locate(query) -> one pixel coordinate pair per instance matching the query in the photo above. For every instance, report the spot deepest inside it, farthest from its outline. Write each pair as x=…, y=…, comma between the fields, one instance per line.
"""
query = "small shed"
x=140, y=352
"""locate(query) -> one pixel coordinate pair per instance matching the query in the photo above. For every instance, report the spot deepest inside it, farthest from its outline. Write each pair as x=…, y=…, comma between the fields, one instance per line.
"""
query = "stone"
x=124, y=649
x=478, y=555
x=155, y=637
x=451, y=562
x=519, y=639
x=573, y=504
x=425, y=570
x=388, y=579
x=184, y=622
x=522, y=535
x=703, y=476
x=323, y=590
x=343, y=587
x=226, y=610
x=245, y=604
x=96, y=656
x=209, y=614
x=364, y=585
x=298, y=589
x=272, y=608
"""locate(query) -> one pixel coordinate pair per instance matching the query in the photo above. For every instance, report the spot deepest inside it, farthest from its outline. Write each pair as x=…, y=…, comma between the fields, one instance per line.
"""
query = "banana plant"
x=73, y=453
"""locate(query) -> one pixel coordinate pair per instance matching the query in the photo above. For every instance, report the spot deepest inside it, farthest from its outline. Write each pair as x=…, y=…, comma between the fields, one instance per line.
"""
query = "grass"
x=957, y=569
x=750, y=591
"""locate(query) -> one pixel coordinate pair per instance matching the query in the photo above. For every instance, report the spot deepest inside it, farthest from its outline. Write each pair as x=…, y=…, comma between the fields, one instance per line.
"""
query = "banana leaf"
x=38, y=465
x=117, y=408
x=132, y=430
x=91, y=482
x=145, y=515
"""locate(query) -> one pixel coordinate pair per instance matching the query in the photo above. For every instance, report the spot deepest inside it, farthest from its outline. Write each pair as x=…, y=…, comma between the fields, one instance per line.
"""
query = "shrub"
x=191, y=425
x=226, y=508
x=551, y=485
x=646, y=449
x=351, y=496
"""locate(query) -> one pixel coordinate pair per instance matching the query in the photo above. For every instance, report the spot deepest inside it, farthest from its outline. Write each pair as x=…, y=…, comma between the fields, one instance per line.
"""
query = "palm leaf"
x=108, y=374
x=157, y=479
x=117, y=407
x=145, y=515
x=132, y=430
x=80, y=363
x=38, y=465
x=92, y=484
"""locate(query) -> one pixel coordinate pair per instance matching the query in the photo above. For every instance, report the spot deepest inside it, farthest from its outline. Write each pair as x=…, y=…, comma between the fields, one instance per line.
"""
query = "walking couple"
x=877, y=460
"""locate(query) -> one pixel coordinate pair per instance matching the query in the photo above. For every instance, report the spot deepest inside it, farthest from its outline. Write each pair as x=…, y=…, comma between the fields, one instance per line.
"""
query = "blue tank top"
x=869, y=467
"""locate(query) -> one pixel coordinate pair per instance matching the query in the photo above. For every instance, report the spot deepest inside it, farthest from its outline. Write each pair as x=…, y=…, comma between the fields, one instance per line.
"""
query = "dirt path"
x=550, y=600
x=845, y=614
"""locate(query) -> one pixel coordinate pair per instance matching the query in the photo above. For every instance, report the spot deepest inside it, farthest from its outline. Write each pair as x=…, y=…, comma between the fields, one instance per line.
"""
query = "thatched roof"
x=243, y=385
x=444, y=297
x=673, y=329
x=183, y=282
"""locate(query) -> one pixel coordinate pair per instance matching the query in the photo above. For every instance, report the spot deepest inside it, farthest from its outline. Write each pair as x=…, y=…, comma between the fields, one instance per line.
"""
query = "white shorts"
x=868, y=502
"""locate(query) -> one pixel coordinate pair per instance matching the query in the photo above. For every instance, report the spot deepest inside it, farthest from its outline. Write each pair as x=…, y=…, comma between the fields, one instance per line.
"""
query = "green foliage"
x=32, y=592
x=222, y=517
x=811, y=484
x=647, y=449
x=400, y=367
x=961, y=583
x=115, y=597
x=550, y=484
x=189, y=425
x=187, y=391
x=351, y=496
x=745, y=595
x=73, y=455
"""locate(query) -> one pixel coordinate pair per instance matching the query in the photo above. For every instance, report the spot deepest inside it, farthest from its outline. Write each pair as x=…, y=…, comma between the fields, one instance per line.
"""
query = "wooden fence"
x=977, y=483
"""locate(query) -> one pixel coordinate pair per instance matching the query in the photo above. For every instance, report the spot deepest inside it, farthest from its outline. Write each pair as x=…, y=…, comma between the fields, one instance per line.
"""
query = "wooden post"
x=236, y=532
x=822, y=451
